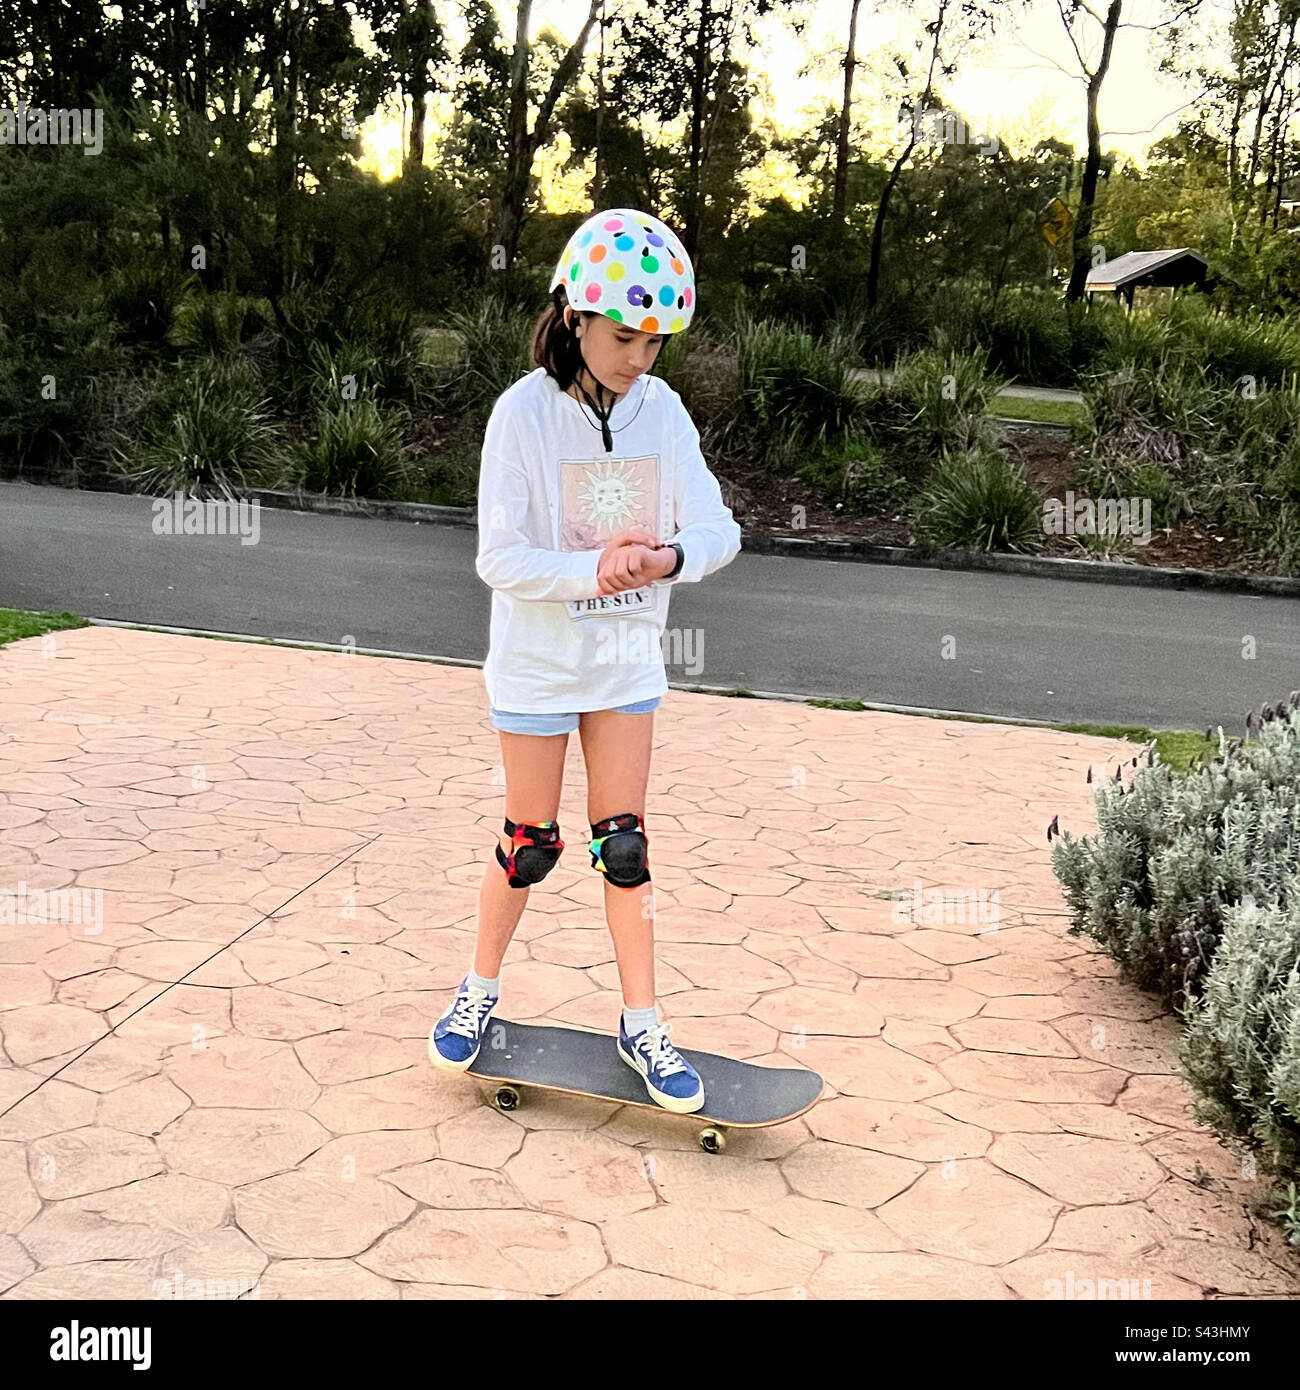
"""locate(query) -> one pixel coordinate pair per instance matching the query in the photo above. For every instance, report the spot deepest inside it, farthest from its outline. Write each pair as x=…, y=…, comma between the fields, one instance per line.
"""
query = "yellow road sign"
x=1055, y=222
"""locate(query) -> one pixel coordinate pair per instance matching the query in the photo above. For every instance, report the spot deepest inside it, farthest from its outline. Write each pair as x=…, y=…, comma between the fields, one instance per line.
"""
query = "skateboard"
x=737, y=1095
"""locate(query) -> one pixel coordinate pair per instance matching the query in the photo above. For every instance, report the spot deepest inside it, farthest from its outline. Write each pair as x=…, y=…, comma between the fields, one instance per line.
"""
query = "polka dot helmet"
x=628, y=266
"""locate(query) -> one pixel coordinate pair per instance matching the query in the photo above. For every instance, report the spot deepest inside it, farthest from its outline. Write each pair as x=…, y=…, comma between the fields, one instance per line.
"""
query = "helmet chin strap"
x=602, y=412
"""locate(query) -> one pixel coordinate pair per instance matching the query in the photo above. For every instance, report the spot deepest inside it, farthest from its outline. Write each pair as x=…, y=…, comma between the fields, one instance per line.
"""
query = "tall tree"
x=1074, y=17
x=687, y=63
x=846, y=110
x=946, y=31
x=525, y=138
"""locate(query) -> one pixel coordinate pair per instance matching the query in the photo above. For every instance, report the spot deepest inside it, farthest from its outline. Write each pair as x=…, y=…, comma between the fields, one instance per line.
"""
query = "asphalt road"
x=1021, y=648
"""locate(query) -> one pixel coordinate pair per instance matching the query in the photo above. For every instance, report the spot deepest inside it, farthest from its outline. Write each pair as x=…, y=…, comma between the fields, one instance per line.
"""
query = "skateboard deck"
x=736, y=1094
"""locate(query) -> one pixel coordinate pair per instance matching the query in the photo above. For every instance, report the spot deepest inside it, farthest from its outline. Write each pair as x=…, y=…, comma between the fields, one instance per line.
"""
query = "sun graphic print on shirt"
x=598, y=499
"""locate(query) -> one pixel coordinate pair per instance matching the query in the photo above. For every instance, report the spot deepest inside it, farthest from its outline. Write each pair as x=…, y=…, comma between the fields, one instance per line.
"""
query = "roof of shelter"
x=1132, y=265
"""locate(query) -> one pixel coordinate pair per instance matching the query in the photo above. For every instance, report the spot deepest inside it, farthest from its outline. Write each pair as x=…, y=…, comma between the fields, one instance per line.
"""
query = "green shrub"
x=200, y=431
x=1231, y=347
x=1232, y=454
x=1137, y=478
x=142, y=301
x=1190, y=333
x=856, y=474
x=356, y=451
x=1272, y=533
x=951, y=393
x=936, y=402
x=495, y=337
x=1161, y=414
x=1026, y=334
x=1241, y=1050
x=705, y=372
x=218, y=324
x=794, y=392
x=981, y=501
x=1172, y=854
x=53, y=380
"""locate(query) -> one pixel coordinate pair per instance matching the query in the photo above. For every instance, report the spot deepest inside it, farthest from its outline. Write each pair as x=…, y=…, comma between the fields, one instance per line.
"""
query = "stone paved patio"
x=300, y=837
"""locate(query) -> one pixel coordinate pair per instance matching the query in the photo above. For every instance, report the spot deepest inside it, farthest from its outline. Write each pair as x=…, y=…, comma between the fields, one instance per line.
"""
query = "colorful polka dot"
x=650, y=325
x=593, y=293
x=666, y=295
x=614, y=314
x=614, y=224
x=614, y=271
x=648, y=263
x=623, y=243
x=677, y=325
x=597, y=254
x=677, y=266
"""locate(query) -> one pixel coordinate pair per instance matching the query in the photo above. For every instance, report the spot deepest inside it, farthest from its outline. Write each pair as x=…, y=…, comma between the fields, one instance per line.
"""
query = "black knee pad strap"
x=534, y=853
x=620, y=850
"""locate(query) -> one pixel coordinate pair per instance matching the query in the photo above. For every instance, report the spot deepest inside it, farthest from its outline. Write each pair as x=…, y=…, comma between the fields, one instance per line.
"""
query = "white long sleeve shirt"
x=549, y=499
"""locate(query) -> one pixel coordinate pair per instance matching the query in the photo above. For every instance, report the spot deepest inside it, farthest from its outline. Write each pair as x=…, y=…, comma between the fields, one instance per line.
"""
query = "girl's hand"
x=629, y=560
x=642, y=563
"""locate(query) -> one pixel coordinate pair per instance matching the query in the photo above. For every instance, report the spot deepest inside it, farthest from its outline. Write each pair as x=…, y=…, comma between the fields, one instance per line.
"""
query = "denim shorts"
x=511, y=723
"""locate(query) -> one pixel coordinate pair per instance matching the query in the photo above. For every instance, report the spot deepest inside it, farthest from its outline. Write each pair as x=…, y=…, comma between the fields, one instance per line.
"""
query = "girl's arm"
x=704, y=526
x=506, y=558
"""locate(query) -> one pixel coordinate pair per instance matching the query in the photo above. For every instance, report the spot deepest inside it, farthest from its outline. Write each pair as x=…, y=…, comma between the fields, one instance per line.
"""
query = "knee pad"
x=533, y=854
x=620, y=850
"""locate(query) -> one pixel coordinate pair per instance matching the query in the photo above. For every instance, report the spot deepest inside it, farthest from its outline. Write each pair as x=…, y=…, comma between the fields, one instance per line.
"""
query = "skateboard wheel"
x=506, y=1098
x=712, y=1141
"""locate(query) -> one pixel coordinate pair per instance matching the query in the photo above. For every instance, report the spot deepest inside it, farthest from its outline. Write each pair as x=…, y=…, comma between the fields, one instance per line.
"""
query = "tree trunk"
x=927, y=96
x=522, y=143
x=699, y=85
x=1088, y=192
x=598, y=185
x=878, y=231
x=415, y=145
x=842, y=145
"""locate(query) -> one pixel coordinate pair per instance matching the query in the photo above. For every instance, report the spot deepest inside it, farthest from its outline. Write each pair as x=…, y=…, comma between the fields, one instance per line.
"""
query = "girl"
x=587, y=462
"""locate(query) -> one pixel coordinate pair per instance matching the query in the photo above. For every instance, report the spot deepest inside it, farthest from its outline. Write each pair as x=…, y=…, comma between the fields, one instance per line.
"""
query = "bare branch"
x=1069, y=34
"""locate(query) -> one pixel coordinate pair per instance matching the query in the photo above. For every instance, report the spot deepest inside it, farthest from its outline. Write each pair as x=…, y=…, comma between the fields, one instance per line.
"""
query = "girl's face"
x=615, y=353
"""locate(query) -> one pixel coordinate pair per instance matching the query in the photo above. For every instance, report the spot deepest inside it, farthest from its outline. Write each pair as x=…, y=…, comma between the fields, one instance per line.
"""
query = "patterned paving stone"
x=725, y=1250
x=1072, y=1275
x=905, y=1276
x=314, y=1214
x=970, y=1211
x=845, y=1173
x=908, y=1131
x=93, y=1159
x=519, y=1251
x=323, y=1279
x=1077, y=1168
x=217, y=1084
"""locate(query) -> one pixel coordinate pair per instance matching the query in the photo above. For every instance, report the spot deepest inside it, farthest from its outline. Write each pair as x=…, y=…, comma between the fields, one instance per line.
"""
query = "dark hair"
x=555, y=345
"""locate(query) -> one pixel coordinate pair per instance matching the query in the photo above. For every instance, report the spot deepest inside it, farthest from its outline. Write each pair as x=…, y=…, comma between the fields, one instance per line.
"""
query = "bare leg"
x=616, y=748
x=534, y=767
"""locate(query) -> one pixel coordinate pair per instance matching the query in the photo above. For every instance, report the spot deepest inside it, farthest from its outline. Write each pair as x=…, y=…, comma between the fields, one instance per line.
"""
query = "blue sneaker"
x=455, y=1039
x=669, y=1077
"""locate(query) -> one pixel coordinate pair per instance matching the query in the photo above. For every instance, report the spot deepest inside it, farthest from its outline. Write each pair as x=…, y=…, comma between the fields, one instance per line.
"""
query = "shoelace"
x=663, y=1057
x=467, y=1017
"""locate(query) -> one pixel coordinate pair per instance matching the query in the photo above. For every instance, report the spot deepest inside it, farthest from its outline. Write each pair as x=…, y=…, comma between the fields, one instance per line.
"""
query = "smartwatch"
x=681, y=558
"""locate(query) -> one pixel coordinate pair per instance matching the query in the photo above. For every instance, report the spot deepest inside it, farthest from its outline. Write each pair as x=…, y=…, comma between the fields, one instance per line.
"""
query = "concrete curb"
x=865, y=552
